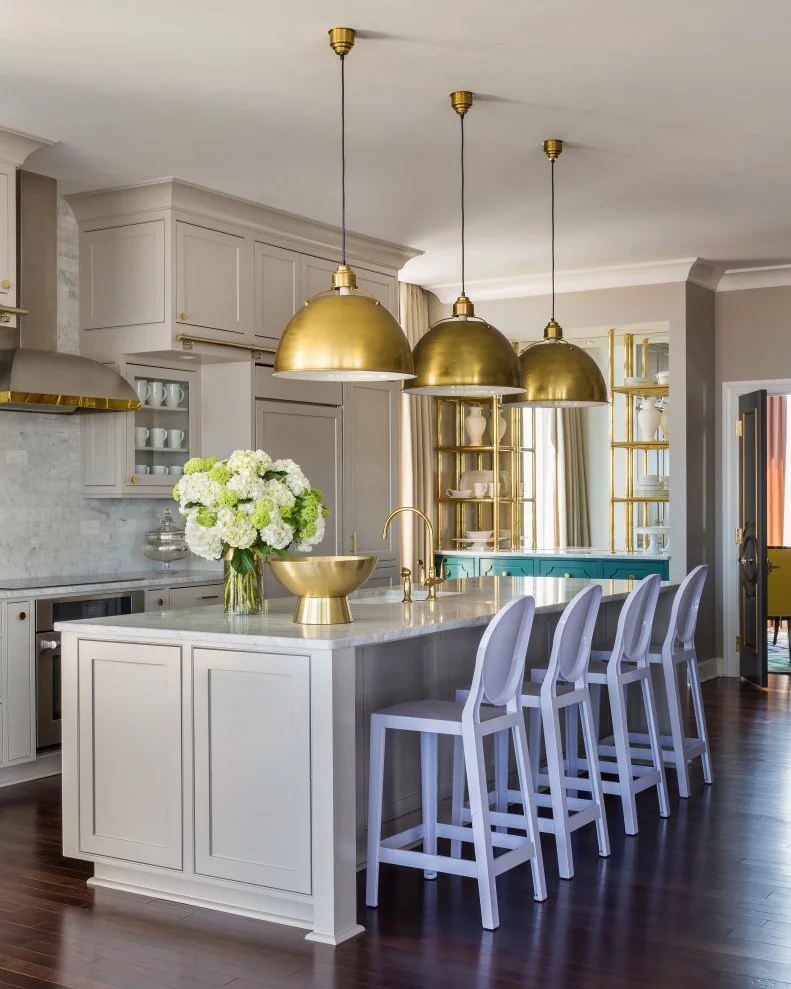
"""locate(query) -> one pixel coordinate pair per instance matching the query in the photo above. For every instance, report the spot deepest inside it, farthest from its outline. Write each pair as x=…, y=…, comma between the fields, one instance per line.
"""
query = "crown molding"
x=587, y=280
x=768, y=276
x=16, y=145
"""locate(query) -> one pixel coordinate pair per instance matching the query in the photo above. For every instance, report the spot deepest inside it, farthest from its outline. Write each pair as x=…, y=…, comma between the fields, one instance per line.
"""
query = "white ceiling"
x=675, y=114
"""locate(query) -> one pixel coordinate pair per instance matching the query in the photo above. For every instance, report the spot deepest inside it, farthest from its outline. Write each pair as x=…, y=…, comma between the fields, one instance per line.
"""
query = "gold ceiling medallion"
x=343, y=334
x=463, y=354
x=556, y=373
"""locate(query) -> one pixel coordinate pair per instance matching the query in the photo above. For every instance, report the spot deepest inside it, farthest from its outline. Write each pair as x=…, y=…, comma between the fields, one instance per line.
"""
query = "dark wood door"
x=752, y=538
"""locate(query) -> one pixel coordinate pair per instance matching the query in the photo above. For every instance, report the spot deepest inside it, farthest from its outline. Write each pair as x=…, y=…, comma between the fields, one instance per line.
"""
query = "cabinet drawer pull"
x=632, y=577
x=183, y=315
x=566, y=574
x=209, y=597
x=5, y=283
x=22, y=616
x=504, y=573
x=160, y=600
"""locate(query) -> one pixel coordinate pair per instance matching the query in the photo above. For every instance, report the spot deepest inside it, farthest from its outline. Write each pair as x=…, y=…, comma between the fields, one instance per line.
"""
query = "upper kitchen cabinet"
x=167, y=267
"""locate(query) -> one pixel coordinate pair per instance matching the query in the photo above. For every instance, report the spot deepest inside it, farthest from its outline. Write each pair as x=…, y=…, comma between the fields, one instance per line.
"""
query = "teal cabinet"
x=506, y=566
x=457, y=567
x=554, y=567
x=634, y=569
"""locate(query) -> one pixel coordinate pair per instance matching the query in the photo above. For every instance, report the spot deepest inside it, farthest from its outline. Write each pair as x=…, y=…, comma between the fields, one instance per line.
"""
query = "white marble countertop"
x=567, y=551
x=40, y=587
x=379, y=615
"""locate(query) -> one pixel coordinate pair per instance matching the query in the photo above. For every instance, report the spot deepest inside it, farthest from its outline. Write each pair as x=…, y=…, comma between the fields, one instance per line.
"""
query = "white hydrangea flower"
x=296, y=482
x=238, y=533
x=203, y=541
x=250, y=461
x=278, y=534
x=248, y=486
x=198, y=488
x=278, y=493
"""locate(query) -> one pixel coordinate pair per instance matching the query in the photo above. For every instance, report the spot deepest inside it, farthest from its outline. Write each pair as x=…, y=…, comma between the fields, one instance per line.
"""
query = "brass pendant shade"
x=343, y=334
x=556, y=373
x=463, y=354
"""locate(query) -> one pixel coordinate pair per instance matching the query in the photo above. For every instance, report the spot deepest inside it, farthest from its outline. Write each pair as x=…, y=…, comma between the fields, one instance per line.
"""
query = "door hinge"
x=739, y=643
x=739, y=429
x=739, y=537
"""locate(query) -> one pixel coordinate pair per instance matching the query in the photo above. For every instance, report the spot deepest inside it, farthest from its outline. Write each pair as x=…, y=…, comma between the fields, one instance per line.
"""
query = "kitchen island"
x=223, y=762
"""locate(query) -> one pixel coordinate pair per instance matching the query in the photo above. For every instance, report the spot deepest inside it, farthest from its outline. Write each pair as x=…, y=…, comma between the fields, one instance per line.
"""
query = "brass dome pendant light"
x=463, y=354
x=556, y=373
x=343, y=334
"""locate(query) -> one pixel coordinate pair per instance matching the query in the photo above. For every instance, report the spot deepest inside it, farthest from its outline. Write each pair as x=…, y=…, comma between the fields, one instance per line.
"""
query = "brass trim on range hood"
x=43, y=381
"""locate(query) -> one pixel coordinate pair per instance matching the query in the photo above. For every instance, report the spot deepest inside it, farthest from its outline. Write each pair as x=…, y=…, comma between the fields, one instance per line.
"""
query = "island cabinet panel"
x=20, y=684
x=130, y=752
x=211, y=270
x=569, y=568
x=252, y=768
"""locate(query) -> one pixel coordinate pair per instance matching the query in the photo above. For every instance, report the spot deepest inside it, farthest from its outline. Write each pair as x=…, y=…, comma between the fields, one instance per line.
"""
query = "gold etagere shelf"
x=636, y=504
x=501, y=512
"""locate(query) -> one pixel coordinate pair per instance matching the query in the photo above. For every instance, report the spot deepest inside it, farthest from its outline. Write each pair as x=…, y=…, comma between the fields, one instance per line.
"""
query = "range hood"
x=34, y=377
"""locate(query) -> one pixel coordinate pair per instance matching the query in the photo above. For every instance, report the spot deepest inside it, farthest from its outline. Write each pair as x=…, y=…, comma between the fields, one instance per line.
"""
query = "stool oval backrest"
x=684, y=613
x=571, y=645
x=633, y=637
x=500, y=660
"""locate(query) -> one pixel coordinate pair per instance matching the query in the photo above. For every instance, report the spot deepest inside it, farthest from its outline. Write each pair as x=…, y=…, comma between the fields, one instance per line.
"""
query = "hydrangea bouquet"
x=243, y=509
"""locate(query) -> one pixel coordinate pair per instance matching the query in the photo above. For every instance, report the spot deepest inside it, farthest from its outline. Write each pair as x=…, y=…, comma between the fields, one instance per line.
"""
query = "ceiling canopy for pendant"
x=554, y=372
x=343, y=334
x=463, y=354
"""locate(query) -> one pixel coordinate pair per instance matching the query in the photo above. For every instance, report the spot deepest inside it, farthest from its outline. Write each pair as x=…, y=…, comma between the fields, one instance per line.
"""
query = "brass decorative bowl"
x=321, y=584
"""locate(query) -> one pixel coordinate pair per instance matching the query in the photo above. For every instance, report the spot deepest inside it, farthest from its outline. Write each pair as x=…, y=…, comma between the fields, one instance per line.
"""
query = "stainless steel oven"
x=48, y=612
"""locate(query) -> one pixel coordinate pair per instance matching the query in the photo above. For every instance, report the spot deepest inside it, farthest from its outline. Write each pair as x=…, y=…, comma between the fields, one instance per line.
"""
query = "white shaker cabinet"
x=252, y=713
x=17, y=683
x=277, y=291
x=8, y=285
x=371, y=413
x=130, y=701
x=212, y=278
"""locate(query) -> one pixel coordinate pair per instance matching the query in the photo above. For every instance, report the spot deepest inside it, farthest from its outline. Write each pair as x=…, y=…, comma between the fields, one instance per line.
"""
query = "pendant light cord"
x=552, y=180
x=463, y=292
x=343, y=160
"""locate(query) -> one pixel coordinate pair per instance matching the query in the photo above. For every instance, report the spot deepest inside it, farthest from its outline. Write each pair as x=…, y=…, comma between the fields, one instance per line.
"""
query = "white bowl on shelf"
x=662, y=377
x=636, y=381
x=459, y=493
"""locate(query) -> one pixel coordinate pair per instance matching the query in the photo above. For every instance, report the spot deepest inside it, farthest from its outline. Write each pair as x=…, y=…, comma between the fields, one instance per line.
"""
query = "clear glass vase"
x=244, y=593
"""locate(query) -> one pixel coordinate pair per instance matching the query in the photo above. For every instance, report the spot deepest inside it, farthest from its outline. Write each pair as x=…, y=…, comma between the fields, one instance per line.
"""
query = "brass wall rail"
x=188, y=342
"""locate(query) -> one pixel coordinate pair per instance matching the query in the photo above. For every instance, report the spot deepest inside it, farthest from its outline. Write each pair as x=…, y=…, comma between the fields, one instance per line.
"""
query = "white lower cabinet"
x=17, y=684
x=191, y=596
x=130, y=702
x=252, y=768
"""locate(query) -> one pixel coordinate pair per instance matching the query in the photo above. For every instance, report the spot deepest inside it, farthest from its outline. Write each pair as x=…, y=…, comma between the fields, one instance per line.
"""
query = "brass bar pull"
x=354, y=544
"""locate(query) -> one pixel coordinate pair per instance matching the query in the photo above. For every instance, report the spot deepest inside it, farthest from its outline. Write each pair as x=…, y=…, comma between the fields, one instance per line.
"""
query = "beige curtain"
x=578, y=532
x=418, y=417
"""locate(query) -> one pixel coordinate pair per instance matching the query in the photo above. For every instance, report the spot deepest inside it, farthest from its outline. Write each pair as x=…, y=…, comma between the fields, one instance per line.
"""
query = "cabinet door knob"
x=632, y=577
x=133, y=479
x=22, y=616
x=566, y=574
x=5, y=283
x=160, y=600
x=183, y=315
x=504, y=573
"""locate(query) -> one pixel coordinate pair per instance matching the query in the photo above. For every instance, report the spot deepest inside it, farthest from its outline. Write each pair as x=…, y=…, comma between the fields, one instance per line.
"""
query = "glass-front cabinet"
x=160, y=434
x=128, y=454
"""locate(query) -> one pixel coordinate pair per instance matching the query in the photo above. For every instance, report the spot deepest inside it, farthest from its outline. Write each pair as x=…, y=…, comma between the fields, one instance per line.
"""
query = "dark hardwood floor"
x=700, y=900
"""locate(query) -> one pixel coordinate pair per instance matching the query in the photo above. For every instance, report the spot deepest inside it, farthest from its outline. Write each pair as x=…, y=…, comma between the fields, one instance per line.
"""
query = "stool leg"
x=592, y=755
x=375, y=792
x=656, y=745
x=481, y=826
x=550, y=717
x=501, y=772
x=529, y=809
x=457, y=798
x=428, y=776
x=595, y=692
x=572, y=740
x=700, y=717
x=620, y=730
x=534, y=746
x=676, y=727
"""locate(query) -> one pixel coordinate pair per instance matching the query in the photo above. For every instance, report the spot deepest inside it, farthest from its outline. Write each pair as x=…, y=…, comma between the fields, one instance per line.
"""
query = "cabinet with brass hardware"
x=606, y=567
x=188, y=596
x=168, y=267
x=142, y=454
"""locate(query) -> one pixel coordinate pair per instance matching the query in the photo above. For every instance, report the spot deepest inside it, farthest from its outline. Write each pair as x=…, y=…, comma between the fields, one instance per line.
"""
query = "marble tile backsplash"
x=46, y=526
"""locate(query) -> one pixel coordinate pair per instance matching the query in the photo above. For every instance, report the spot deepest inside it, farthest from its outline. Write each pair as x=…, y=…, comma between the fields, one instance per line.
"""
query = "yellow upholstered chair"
x=779, y=588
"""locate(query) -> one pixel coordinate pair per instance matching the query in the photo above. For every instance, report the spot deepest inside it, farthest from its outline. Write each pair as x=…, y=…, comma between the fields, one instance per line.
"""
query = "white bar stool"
x=497, y=680
x=564, y=686
x=679, y=647
x=628, y=663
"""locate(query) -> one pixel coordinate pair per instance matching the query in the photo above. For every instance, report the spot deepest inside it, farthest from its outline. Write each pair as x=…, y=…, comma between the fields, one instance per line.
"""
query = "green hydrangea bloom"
x=309, y=506
x=205, y=517
x=220, y=473
x=228, y=499
x=195, y=465
x=262, y=514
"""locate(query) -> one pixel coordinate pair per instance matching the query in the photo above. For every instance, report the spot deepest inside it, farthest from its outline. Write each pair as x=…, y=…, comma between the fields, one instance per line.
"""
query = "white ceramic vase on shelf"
x=648, y=420
x=502, y=425
x=475, y=425
x=664, y=421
